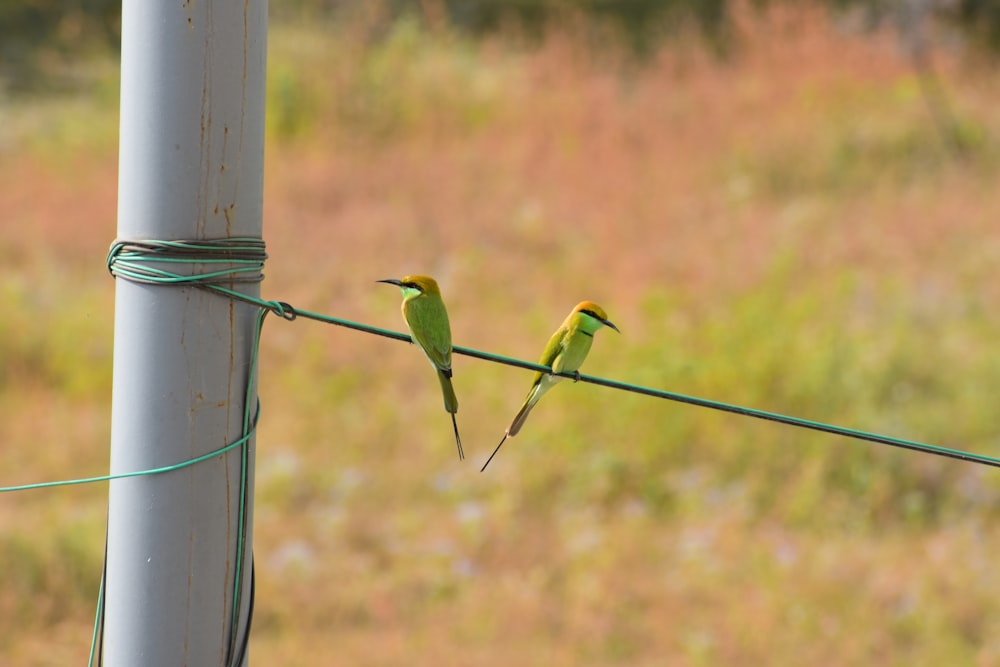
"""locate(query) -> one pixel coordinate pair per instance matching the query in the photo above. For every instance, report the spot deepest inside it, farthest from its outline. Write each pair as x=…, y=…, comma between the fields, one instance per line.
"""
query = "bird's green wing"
x=428, y=322
x=542, y=382
x=552, y=351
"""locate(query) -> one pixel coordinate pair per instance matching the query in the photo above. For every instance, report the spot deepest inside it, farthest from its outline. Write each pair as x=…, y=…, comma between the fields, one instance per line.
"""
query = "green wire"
x=244, y=454
x=95, y=638
x=288, y=312
x=245, y=257
x=134, y=473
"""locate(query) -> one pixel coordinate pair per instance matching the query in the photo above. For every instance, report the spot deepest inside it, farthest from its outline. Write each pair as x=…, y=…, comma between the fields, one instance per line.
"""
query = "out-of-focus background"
x=786, y=205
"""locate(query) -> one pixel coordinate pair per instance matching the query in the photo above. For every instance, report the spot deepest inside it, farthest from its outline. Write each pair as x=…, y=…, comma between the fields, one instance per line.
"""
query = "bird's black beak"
x=391, y=281
x=610, y=325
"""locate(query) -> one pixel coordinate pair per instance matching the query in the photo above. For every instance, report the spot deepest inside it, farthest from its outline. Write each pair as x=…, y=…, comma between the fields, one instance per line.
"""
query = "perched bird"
x=427, y=318
x=565, y=353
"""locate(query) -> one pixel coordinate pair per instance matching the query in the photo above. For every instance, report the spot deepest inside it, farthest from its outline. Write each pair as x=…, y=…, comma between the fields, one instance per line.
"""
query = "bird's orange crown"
x=591, y=307
x=425, y=284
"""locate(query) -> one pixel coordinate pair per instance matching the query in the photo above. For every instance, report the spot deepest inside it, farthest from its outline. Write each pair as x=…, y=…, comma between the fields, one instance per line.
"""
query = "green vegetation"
x=784, y=231
x=408, y=80
x=42, y=41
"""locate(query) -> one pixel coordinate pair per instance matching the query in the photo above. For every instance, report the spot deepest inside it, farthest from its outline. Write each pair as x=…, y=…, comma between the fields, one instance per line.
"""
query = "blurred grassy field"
x=784, y=230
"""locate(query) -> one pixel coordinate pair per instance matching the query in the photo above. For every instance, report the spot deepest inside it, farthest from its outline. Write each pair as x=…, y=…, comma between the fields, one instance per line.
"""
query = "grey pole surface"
x=190, y=167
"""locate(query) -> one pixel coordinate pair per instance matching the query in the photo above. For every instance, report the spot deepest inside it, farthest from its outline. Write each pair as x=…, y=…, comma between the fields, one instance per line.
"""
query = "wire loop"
x=284, y=310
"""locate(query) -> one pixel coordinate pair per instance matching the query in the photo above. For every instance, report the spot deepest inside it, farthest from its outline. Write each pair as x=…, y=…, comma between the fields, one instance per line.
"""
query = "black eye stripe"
x=592, y=314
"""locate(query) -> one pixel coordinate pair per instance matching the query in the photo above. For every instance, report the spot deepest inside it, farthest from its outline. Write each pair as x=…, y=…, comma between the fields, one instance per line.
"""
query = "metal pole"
x=190, y=167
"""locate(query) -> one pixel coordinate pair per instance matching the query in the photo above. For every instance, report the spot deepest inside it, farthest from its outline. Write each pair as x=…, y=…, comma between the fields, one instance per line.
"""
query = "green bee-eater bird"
x=565, y=353
x=427, y=318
